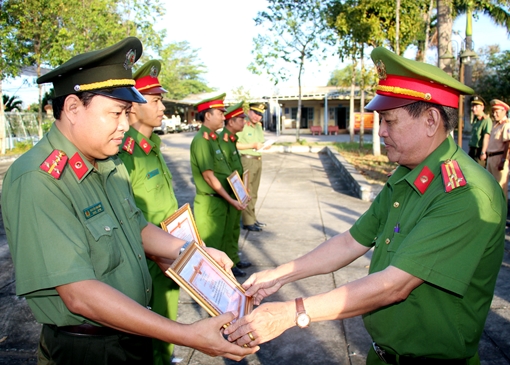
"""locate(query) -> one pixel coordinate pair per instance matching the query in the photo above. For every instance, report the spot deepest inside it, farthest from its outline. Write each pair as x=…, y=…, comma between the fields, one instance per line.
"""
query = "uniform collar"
x=432, y=164
x=229, y=136
x=80, y=166
x=146, y=144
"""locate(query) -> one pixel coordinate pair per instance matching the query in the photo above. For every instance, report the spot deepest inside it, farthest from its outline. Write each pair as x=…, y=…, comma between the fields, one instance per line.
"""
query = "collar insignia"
x=78, y=166
x=424, y=179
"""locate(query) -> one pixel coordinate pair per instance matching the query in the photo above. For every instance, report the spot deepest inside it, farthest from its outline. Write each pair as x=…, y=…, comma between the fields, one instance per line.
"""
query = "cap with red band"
x=215, y=102
x=234, y=111
x=403, y=81
x=498, y=104
x=146, y=78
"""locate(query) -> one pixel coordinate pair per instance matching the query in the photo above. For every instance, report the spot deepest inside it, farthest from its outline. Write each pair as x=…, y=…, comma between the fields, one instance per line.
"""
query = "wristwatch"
x=302, y=319
x=183, y=248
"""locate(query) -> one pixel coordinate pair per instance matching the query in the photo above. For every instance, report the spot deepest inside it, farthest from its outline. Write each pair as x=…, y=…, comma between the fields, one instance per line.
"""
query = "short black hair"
x=449, y=115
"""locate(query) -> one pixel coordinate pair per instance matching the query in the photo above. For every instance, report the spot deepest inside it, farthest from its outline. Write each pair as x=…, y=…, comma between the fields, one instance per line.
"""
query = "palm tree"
x=12, y=103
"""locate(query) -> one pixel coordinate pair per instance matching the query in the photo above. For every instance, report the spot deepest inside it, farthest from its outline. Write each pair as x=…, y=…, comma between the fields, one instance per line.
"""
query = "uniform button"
x=121, y=222
x=147, y=290
x=107, y=229
x=139, y=257
x=396, y=205
x=387, y=241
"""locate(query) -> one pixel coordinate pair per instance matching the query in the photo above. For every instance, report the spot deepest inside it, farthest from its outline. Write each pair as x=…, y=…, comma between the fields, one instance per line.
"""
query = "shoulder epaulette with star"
x=128, y=145
x=205, y=135
x=55, y=163
x=424, y=179
x=225, y=137
x=452, y=175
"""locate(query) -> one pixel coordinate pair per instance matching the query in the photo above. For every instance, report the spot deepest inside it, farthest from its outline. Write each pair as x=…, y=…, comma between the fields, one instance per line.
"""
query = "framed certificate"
x=208, y=283
x=238, y=187
x=182, y=225
x=246, y=178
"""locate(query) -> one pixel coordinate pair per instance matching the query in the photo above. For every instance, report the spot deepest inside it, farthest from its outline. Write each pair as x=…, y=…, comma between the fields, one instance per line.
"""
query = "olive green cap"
x=146, y=78
x=477, y=100
x=403, y=81
x=215, y=102
x=107, y=72
x=258, y=108
x=234, y=111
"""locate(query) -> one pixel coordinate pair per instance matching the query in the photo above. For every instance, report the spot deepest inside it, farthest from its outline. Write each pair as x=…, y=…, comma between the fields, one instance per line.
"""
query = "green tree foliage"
x=181, y=72
x=296, y=33
x=493, y=74
x=12, y=103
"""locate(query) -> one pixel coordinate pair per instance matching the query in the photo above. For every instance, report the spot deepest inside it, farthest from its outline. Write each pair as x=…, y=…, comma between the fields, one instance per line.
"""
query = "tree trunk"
x=362, y=101
x=397, y=28
x=298, y=117
x=2, y=122
x=376, y=141
x=444, y=26
x=351, y=100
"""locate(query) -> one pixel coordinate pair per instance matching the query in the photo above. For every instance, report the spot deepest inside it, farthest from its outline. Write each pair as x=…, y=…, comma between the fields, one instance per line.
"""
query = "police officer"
x=152, y=186
x=497, y=151
x=481, y=127
x=250, y=140
x=75, y=233
x=437, y=229
x=234, y=123
x=210, y=170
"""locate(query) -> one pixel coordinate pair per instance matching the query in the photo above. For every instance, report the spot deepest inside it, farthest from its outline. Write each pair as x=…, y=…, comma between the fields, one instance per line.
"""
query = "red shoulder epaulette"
x=205, y=135
x=146, y=147
x=55, y=163
x=424, y=179
x=225, y=137
x=128, y=145
x=78, y=166
x=452, y=175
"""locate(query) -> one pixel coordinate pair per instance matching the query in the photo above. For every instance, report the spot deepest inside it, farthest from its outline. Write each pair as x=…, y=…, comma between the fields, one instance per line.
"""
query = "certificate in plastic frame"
x=238, y=187
x=182, y=225
x=208, y=283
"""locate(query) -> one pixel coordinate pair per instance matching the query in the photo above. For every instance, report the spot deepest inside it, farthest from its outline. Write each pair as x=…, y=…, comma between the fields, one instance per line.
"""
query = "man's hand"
x=261, y=285
x=208, y=338
x=263, y=324
x=220, y=257
x=239, y=206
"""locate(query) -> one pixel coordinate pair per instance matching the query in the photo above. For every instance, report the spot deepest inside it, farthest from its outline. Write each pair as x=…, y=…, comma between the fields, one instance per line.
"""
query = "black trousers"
x=61, y=348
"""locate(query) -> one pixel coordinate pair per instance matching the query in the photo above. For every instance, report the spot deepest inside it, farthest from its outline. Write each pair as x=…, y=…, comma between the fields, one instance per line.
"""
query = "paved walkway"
x=303, y=202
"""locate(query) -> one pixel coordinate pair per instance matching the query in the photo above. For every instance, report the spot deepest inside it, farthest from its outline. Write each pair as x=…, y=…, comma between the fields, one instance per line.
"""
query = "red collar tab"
x=78, y=166
x=211, y=104
x=452, y=175
x=128, y=145
x=420, y=90
x=55, y=164
x=233, y=138
x=213, y=136
x=424, y=179
x=146, y=146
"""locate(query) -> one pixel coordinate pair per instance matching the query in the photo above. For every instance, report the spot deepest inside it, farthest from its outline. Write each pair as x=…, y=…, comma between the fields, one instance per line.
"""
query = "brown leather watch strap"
x=300, y=305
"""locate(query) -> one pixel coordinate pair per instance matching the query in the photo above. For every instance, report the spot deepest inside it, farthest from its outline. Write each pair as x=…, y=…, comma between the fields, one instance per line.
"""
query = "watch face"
x=303, y=320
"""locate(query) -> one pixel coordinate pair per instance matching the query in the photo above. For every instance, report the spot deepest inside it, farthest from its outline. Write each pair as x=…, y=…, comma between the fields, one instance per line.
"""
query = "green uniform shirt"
x=228, y=146
x=206, y=154
x=71, y=229
x=453, y=241
x=479, y=128
x=150, y=177
x=251, y=133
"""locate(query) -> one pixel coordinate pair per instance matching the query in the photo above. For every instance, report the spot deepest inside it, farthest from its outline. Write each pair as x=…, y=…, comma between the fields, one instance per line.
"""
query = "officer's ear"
x=433, y=121
x=72, y=104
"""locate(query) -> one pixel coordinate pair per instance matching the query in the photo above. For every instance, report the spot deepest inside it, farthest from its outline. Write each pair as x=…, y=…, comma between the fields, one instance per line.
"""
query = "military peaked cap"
x=403, y=81
x=215, y=102
x=107, y=72
x=146, y=78
x=477, y=100
x=498, y=104
x=258, y=107
x=234, y=111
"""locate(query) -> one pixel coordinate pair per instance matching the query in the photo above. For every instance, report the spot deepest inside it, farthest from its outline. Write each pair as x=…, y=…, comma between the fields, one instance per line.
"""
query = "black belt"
x=408, y=360
x=215, y=195
x=86, y=330
x=251, y=156
x=490, y=154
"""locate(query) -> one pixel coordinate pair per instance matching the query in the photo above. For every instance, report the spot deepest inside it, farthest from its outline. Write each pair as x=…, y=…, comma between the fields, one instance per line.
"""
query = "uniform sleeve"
x=446, y=245
x=202, y=154
x=366, y=228
x=47, y=241
x=487, y=127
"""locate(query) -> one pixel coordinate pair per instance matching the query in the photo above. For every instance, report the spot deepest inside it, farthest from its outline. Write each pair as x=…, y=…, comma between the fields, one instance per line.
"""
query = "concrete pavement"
x=303, y=201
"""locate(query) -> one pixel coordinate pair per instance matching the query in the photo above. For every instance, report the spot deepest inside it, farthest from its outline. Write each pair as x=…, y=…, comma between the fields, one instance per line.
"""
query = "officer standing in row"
x=481, y=127
x=250, y=141
x=77, y=239
x=210, y=170
x=497, y=152
x=234, y=123
x=152, y=186
x=437, y=230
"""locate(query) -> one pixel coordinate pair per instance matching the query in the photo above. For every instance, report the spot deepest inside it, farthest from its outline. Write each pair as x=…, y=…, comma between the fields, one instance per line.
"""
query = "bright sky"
x=222, y=33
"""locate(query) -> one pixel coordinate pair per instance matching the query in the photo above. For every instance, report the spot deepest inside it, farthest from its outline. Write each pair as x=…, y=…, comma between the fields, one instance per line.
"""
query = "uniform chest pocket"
x=395, y=242
x=220, y=164
x=154, y=182
x=105, y=255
